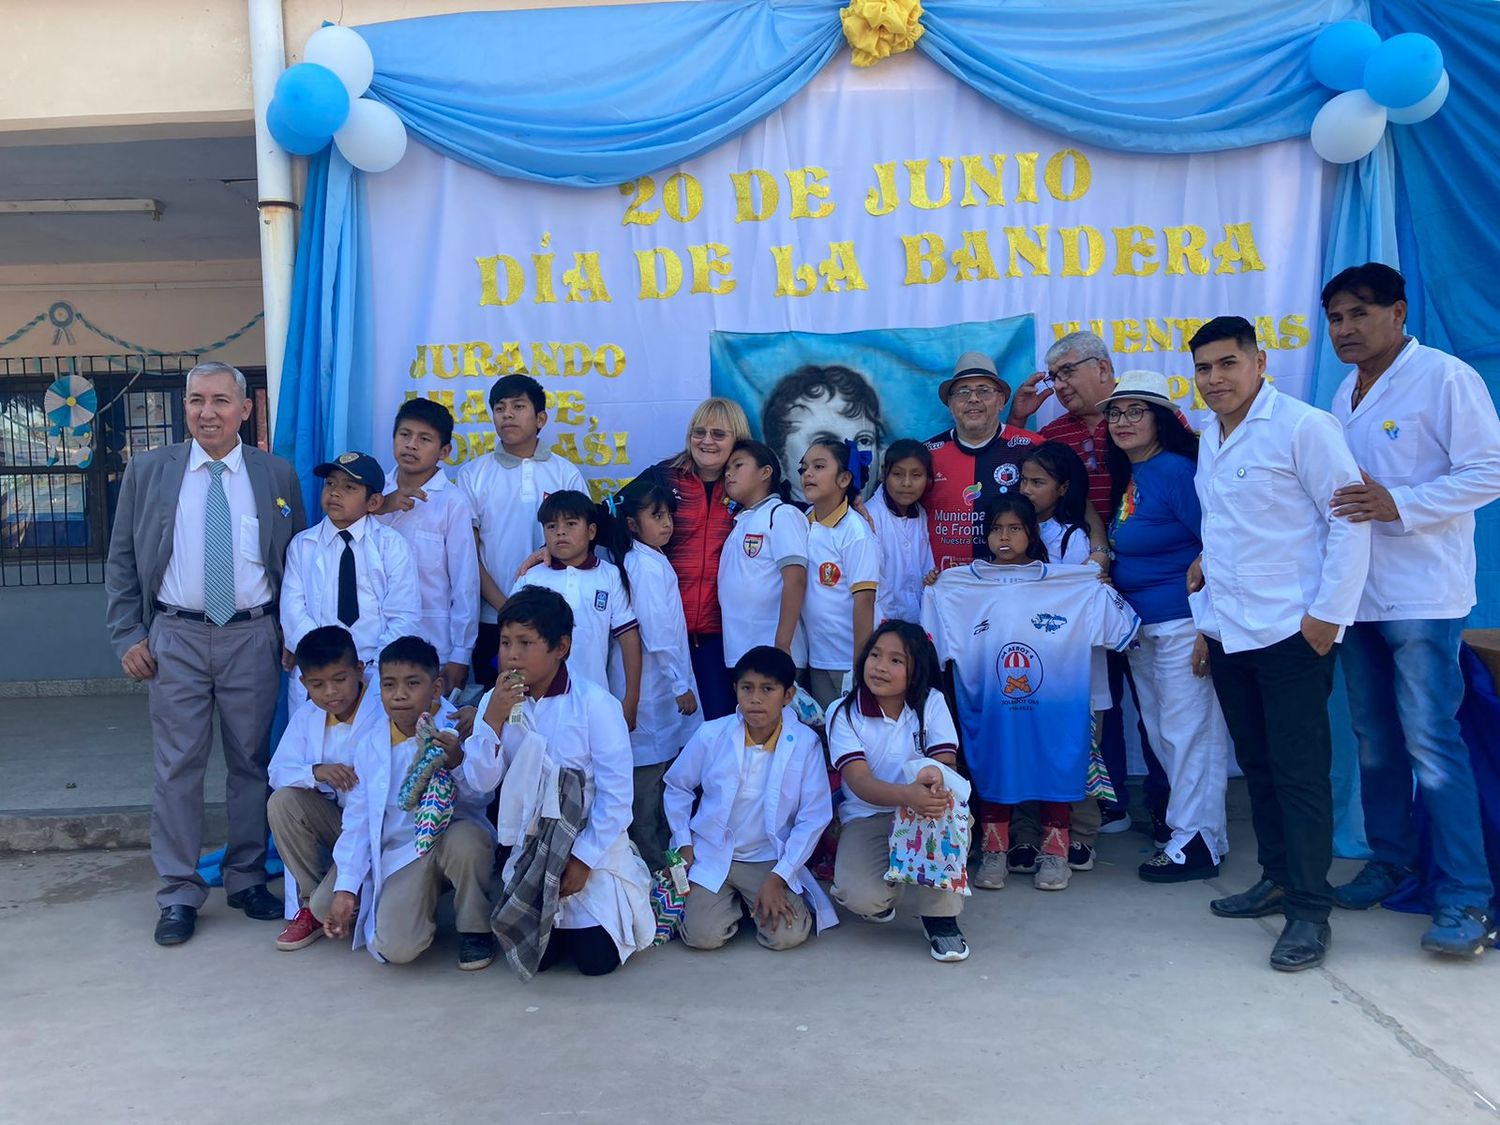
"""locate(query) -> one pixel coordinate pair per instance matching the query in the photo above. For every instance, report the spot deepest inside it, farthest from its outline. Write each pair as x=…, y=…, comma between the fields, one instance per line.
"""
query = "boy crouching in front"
x=394, y=862
x=764, y=806
x=574, y=887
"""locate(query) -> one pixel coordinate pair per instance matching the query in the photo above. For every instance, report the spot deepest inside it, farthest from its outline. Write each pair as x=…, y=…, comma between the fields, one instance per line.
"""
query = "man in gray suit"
x=193, y=580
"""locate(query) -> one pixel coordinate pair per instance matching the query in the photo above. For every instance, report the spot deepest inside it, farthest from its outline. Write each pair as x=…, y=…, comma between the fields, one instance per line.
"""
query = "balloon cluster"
x=1400, y=81
x=320, y=99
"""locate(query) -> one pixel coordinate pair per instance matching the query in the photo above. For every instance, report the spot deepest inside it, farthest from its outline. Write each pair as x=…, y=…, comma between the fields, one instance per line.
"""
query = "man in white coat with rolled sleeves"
x=1423, y=428
x=1279, y=580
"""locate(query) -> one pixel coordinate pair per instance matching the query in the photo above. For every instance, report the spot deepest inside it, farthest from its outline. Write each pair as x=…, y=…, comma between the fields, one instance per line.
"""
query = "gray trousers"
x=200, y=667
x=711, y=918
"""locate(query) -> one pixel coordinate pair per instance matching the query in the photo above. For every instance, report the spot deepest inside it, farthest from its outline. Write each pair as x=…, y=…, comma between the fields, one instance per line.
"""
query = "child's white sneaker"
x=1052, y=873
x=991, y=873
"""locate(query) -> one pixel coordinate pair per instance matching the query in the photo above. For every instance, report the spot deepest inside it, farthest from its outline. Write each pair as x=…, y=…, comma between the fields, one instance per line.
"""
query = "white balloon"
x=1347, y=128
x=373, y=139
x=345, y=52
x=1411, y=114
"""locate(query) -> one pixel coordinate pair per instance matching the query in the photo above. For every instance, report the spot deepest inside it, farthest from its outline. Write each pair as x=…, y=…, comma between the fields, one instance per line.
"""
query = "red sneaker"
x=301, y=931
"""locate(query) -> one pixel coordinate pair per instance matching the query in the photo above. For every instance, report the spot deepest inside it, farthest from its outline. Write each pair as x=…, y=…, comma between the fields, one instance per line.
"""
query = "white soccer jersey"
x=843, y=558
x=600, y=607
x=765, y=538
x=1020, y=640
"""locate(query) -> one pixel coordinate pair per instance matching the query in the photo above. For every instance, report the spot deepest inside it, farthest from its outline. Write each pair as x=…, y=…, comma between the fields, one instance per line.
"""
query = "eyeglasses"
x=698, y=433
x=1065, y=373
x=1126, y=414
x=983, y=393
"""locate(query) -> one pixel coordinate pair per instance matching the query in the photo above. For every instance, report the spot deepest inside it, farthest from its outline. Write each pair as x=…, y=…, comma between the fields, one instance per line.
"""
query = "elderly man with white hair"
x=1081, y=374
x=193, y=577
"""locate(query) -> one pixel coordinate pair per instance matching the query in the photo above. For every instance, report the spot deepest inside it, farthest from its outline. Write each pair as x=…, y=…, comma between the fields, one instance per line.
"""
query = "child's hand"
x=509, y=691
x=686, y=852
x=536, y=558
x=463, y=720
x=288, y=660
x=927, y=800
x=632, y=708
x=401, y=500
x=453, y=749
x=687, y=703
x=340, y=914
x=455, y=676
x=575, y=875
x=932, y=576
x=336, y=776
x=773, y=905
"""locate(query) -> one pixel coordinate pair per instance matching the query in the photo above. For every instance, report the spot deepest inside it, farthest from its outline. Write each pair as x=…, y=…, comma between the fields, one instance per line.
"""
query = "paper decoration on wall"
x=70, y=404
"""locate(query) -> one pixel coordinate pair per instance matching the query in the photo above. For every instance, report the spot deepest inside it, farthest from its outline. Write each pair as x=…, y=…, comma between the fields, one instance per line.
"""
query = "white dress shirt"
x=504, y=493
x=1272, y=550
x=384, y=575
x=440, y=533
x=1427, y=430
x=182, y=584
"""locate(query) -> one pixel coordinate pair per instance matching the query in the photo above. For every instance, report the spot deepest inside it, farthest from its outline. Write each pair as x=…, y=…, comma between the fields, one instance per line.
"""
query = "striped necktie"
x=218, y=551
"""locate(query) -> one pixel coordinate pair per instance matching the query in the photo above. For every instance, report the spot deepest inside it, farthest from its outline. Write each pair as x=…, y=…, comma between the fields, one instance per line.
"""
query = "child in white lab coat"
x=668, y=714
x=390, y=873
x=764, y=804
x=895, y=716
x=557, y=746
x=312, y=772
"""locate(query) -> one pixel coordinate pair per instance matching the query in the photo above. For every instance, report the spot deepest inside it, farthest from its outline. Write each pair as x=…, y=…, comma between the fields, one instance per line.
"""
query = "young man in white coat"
x=765, y=803
x=1423, y=428
x=1278, y=581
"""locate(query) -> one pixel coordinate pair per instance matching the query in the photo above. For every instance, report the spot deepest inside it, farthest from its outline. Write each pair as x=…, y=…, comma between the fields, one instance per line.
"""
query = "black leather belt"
x=194, y=615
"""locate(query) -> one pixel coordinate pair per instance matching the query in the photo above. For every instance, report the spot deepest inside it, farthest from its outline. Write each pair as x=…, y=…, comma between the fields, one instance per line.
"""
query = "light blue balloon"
x=315, y=102
x=1403, y=70
x=1340, y=52
x=288, y=138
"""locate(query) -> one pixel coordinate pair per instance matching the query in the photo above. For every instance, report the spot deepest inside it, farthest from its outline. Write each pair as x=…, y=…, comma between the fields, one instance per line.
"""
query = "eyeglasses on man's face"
x=1126, y=413
x=1064, y=372
x=984, y=392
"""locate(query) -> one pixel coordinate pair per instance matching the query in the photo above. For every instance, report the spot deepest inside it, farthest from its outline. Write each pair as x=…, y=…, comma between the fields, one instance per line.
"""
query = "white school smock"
x=1427, y=430
x=666, y=666
x=1272, y=550
x=583, y=728
x=601, y=611
x=862, y=732
x=504, y=493
x=765, y=538
x=359, y=855
x=385, y=579
x=440, y=533
x=842, y=560
x=796, y=803
x=905, y=559
x=312, y=738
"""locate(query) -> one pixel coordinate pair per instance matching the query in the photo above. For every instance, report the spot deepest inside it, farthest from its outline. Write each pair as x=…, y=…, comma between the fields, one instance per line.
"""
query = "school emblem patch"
x=1019, y=670
x=601, y=599
x=346, y=458
x=829, y=574
x=1007, y=475
x=753, y=544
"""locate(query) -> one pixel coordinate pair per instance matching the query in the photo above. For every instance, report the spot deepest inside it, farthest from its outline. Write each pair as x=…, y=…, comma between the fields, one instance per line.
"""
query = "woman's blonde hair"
x=723, y=412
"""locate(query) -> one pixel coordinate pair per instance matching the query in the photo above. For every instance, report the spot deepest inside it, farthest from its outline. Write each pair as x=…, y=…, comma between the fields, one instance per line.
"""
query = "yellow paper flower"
x=878, y=28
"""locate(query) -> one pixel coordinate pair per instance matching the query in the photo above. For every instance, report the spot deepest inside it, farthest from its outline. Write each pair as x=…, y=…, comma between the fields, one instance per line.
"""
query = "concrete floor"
x=1111, y=1002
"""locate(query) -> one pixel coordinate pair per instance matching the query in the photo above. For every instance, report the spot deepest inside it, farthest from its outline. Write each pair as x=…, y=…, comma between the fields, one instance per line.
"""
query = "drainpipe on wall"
x=278, y=211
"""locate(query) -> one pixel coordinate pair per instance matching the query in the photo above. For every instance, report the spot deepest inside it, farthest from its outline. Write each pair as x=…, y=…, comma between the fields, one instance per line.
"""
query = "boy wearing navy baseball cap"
x=350, y=569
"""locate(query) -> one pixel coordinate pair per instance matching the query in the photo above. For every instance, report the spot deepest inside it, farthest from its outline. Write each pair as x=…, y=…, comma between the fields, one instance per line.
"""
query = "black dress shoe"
x=1264, y=898
x=1302, y=945
x=257, y=902
x=1197, y=863
x=176, y=925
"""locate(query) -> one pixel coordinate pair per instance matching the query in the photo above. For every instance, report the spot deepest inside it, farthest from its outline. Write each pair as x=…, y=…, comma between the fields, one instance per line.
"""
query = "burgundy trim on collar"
x=869, y=706
x=593, y=561
x=560, y=682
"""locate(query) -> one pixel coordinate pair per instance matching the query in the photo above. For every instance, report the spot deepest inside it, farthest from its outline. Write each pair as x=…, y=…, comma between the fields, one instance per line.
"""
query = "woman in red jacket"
x=701, y=524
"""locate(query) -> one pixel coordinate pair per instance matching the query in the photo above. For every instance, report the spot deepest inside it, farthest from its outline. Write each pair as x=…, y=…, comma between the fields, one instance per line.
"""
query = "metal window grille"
x=59, y=485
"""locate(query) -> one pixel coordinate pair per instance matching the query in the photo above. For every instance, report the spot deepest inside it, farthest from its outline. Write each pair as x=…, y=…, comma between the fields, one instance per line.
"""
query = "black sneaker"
x=1113, y=820
x=1022, y=859
x=1080, y=856
x=945, y=939
x=475, y=951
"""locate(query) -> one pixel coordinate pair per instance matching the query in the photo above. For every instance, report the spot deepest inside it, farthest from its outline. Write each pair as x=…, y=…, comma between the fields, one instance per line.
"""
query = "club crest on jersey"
x=1019, y=669
x=1007, y=475
x=829, y=574
x=971, y=493
x=1048, y=622
x=753, y=544
x=601, y=599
